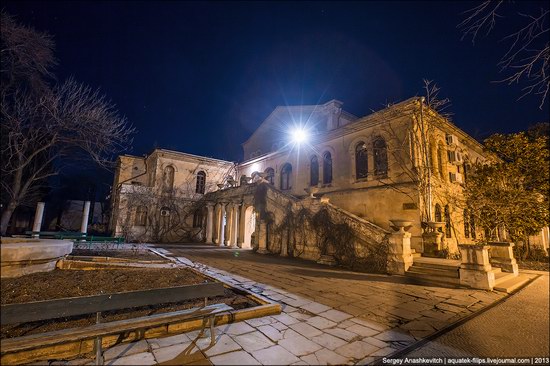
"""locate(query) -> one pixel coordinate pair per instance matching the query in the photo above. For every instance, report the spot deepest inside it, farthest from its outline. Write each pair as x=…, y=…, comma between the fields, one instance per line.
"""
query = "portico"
x=230, y=219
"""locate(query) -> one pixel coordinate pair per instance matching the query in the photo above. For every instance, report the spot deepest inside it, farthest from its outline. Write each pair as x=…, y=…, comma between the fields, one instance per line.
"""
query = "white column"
x=217, y=229
x=235, y=229
x=229, y=225
x=209, y=222
x=38, y=218
x=242, y=226
x=221, y=234
x=85, y=215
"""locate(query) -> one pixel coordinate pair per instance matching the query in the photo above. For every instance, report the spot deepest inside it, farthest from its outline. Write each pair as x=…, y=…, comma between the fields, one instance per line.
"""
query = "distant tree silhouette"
x=46, y=123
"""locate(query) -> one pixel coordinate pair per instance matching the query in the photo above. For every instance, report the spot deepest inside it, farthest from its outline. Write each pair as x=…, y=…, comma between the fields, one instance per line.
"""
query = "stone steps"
x=511, y=283
x=434, y=270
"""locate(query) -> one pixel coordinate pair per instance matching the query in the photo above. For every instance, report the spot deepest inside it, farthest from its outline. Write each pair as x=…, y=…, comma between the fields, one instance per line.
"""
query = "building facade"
x=403, y=162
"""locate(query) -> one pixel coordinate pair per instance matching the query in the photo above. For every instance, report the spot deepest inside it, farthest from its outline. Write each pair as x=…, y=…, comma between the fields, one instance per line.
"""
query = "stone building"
x=155, y=197
x=403, y=162
x=368, y=166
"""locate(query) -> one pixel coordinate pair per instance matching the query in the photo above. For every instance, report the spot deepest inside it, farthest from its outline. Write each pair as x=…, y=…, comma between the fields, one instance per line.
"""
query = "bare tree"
x=44, y=126
x=527, y=58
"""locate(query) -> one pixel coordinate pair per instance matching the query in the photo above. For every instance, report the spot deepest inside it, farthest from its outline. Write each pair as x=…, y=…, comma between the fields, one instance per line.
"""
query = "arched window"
x=168, y=178
x=327, y=168
x=440, y=162
x=201, y=182
x=438, y=217
x=361, y=160
x=286, y=176
x=270, y=175
x=380, y=153
x=141, y=216
x=472, y=226
x=313, y=171
x=447, y=222
x=198, y=218
x=466, y=224
x=466, y=170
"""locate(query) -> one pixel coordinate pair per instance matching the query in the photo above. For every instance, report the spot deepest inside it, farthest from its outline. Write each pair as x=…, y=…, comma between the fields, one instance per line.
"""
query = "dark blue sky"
x=201, y=77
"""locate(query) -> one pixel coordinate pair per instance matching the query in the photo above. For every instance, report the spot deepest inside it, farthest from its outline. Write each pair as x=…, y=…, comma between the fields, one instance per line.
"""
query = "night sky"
x=201, y=77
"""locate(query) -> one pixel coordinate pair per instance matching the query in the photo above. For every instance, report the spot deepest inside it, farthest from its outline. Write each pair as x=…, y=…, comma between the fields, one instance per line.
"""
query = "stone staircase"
x=446, y=272
x=507, y=282
x=434, y=271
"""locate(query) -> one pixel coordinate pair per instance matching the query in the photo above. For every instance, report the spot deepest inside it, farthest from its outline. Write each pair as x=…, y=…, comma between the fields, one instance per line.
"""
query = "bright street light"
x=299, y=135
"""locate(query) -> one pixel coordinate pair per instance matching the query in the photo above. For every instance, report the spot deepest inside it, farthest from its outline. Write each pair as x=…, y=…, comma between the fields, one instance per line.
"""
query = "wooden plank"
x=42, y=310
x=110, y=328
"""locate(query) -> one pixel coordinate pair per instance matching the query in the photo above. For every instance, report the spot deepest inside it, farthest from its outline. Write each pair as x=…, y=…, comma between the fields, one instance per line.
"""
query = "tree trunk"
x=6, y=216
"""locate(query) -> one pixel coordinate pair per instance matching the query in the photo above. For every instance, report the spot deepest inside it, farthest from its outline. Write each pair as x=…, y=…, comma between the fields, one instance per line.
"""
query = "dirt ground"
x=73, y=283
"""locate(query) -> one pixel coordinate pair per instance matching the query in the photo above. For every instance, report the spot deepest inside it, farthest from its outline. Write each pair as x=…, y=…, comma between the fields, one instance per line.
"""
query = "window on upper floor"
x=361, y=160
x=466, y=224
x=447, y=221
x=201, y=182
x=380, y=153
x=438, y=217
x=286, y=177
x=168, y=178
x=327, y=168
x=313, y=171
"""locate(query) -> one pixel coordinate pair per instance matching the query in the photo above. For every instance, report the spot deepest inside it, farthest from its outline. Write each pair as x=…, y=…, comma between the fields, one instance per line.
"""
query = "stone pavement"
x=330, y=315
x=523, y=329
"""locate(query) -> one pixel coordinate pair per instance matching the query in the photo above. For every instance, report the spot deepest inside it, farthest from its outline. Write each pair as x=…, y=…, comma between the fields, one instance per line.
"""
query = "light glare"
x=299, y=135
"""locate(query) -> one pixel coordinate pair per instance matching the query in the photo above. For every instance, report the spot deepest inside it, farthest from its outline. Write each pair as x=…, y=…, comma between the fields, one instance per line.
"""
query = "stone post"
x=475, y=269
x=235, y=228
x=222, y=233
x=502, y=255
x=209, y=222
x=39, y=213
x=242, y=225
x=399, y=254
x=262, y=237
x=228, y=240
x=85, y=215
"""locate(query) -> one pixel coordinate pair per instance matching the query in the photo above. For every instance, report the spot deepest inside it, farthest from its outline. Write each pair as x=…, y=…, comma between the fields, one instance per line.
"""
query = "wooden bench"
x=53, y=309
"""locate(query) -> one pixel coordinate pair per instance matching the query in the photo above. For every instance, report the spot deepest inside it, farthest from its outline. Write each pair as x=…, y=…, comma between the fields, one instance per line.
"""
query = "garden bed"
x=142, y=255
x=75, y=283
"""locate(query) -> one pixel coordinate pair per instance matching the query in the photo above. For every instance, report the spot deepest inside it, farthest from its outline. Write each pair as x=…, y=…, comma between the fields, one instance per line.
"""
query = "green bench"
x=76, y=236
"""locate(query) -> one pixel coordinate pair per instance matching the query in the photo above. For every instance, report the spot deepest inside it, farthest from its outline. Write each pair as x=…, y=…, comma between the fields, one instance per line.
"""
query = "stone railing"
x=501, y=255
x=476, y=270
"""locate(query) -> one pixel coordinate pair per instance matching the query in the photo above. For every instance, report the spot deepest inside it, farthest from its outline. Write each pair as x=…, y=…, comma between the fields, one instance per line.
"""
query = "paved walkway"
x=330, y=316
x=522, y=331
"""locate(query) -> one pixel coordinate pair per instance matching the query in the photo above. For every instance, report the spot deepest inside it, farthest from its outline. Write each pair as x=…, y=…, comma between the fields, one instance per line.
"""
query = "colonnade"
x=226, y=223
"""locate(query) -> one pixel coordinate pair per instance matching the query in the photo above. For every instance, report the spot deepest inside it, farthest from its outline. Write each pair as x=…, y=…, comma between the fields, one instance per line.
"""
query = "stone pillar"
x=39, y=213
x=85, y=215
x=242, y=225
x=235, y=227
x=209, y=222
x=475, y=269
x=262, y=237
x=222, y=234
x=399, y=252
x=228, y=240
x=502, y=256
